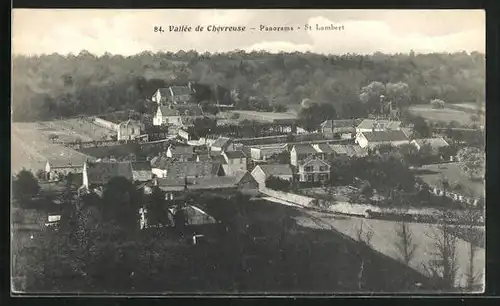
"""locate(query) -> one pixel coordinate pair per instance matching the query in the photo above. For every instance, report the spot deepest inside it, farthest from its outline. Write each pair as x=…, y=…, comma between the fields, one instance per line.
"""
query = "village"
x=291, y=166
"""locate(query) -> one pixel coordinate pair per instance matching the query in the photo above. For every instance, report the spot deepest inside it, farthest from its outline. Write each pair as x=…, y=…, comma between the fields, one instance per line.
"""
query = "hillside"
x=49, y=86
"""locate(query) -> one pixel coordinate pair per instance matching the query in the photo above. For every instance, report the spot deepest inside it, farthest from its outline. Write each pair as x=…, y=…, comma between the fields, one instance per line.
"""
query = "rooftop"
x=103, y=172
x=385, y=136
x=379, y=124
x=276, y=169
x=180, y=170
x=220, y=142
x=235, y=154
x=304, y=149
x=433, y=142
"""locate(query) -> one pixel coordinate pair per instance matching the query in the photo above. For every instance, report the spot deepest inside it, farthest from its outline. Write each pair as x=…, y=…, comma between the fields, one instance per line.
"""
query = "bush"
x=277, y=183
x=437, y=103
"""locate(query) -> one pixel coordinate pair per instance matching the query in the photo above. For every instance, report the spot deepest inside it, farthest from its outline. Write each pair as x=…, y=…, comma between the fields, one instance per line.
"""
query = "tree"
x=405, y=244
x=398, y=94
x=372, y=95
x=121, y=202
x=443, y=268
x=312, y=116
x=363, y=238
x=157, y=207
x=472, y=162
x=24, y=186
x=421, y=127
x=276, y=183
x=437, y=103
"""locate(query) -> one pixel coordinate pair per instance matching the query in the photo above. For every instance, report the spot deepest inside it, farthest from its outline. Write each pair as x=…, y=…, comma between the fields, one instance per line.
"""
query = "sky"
x=128, y=32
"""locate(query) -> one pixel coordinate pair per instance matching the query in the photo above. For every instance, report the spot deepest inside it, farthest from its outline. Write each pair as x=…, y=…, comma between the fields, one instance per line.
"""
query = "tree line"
x=49, y=86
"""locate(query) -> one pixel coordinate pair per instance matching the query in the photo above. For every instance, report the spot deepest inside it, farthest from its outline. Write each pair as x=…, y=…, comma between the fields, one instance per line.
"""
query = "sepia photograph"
x=170, y=152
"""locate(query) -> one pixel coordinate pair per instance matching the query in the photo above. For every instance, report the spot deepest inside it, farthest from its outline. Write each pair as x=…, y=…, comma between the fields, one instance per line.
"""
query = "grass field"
x=73, y=129
x=441, y=115
x=384, y=241
x=31, y=147
x=433, y=174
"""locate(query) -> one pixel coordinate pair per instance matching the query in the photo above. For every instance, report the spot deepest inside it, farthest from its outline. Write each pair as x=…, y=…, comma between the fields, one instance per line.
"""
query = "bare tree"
x=404, y=244
x=443, y=268
x=364, y=240
x=474, y=237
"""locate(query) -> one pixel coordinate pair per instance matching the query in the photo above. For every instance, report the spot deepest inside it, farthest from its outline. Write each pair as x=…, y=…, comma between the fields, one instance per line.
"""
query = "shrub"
x=437, y=103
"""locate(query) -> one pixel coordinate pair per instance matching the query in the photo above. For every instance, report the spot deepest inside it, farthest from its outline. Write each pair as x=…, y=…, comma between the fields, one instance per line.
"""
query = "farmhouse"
x=100, y=173
x=172, y=94
x=126, y=130
x=162, y=167
x=241, y=181
x=141, y=171
x=435, y=143
x=374, y=125
x=349, y=150
x=331, y=128
x=57, y=168
x=181, y=153
x=300, y=152
x=262, y=172
x=375, y=139
x=177, y=115
x=235, y=161
x=266, y=151
x=221, y=144
x=313, y=169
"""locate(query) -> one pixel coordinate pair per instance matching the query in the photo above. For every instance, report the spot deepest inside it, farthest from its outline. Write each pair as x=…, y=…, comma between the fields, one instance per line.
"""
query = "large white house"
x=378, y=138
x=172, y=94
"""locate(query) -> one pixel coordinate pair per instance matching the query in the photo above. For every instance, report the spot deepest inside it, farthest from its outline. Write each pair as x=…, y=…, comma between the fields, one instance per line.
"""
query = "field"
x=31, y=147
x=70, y=130
x=441, y=115
x=433, y=174
x=384, y=241
x=260, y=116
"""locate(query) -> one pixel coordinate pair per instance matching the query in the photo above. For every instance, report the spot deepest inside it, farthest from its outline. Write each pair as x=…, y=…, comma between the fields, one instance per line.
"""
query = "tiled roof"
x=235, y=154
x=379, y=124
x=180, y=90
x=141, y=166
x=219, y=159
x=204, y=157
x=339, y=149
x=276, y=169
x=182, y=150
x=342, y=123
x=180, y=170
x=102, y=172
x=159, y=162
x=385, y=136
x=165, y=92
x=220, y=142
x=313, y=158
x=168, y=111
x=130, y=121
x=304, y=149
x=216, y=182
x=433, y=142
x=188, y=110
x=325, y=148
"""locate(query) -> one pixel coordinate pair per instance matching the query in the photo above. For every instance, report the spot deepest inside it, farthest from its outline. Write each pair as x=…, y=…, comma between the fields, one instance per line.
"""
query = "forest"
x=55, y=86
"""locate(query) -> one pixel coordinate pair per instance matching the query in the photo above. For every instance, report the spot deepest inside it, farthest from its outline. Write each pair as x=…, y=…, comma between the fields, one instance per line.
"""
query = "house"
x=262, y=172
x=241, y=181
x=236, y=160
x=374, y=125
x=313, y=169
x=181, y=153
x=100, y=173
x=58, y=168
x=172, y=94
x=167, y=115
x=300, y=152
x=324, y=150
x=375, y=139
x=435, y=143
x=221, y=144
x=129, y=130
x=141, y=171
x=330, y=128
x=182, y=170
x=349, y=150
x=265, y=151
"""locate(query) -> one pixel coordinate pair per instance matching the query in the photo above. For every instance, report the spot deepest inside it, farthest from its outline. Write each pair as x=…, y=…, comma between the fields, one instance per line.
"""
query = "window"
x=323, y=177
x=308, y=169
x=322, y=168
x=310, y=178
